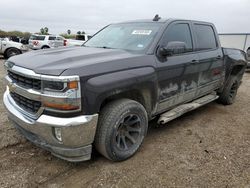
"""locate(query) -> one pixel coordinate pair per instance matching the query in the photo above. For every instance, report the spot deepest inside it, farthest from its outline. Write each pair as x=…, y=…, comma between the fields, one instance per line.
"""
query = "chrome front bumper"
x=77, y=132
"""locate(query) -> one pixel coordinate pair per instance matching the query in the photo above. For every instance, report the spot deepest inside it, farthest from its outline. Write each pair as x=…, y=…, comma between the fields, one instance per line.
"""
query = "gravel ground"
x=209, y=147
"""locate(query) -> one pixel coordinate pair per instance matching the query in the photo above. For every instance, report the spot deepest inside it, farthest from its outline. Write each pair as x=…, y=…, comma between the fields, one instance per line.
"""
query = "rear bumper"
x=77, y=132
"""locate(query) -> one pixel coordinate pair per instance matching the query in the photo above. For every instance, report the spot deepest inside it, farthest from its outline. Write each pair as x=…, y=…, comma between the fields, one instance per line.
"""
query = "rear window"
x=59, y=38
x=80, y=37
x=37, y=37
x=52, y=38
x=205, y=37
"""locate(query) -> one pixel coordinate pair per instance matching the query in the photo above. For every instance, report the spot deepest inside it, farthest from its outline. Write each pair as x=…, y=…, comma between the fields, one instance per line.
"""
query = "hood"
x=56, y=61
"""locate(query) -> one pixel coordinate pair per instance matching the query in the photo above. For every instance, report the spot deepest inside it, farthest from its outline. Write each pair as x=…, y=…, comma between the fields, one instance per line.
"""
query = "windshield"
x=129, y=36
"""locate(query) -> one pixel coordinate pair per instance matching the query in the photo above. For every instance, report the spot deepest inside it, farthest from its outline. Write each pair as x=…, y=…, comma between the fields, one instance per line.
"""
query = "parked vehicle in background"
x=80, y=40
x=19, y=39
x=37, y=42
x=10, y=48
x=103, y=93
x=237, y=40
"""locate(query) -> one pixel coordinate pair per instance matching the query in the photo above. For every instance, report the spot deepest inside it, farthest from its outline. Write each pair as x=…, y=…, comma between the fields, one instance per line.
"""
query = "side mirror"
x=173, y=47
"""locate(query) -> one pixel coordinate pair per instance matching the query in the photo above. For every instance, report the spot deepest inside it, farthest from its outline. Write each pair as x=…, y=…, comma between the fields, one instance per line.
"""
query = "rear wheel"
x=121, y=129
x=11, y=52
x=45, y=47
x=229, y=93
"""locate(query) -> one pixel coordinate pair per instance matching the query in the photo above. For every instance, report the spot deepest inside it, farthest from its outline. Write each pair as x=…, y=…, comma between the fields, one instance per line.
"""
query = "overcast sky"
x=91, y=15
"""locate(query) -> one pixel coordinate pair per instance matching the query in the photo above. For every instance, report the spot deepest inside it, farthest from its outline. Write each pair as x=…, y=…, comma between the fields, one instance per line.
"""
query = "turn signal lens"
x=60, y=106
x=73, y=85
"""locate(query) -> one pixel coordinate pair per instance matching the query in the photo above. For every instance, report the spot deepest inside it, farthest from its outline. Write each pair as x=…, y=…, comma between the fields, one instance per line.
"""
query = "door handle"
x=193, y=62
x=218, y=57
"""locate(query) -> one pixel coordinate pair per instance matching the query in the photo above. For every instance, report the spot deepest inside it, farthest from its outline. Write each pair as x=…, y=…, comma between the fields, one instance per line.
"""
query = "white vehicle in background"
x=237, y=40
x=37, y=42
x=80, y=40
x=10, y=48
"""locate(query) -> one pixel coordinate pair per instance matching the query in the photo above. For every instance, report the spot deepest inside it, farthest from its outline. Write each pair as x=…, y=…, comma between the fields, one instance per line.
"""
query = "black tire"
x=11, y=52
x=229, y=92
x=121, y=129
x=45, y=47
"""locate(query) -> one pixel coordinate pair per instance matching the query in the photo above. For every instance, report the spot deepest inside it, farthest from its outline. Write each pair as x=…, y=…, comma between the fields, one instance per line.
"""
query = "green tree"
x=46, y=30
x=78, y=32
x=83, y=32
x=69, y=32
x=14, y=33
x=42, y=31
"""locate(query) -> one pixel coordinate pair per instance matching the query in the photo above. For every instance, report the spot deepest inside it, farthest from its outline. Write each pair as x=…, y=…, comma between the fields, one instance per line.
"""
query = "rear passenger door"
x=52, y=42
x=211, y=64
x=178, y=73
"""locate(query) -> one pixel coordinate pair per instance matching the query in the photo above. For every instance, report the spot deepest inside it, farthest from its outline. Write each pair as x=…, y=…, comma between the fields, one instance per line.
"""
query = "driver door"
x=177, y=74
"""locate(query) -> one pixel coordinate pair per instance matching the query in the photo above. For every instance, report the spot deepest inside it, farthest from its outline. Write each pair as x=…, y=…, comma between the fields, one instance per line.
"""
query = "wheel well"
x=133, y=95
x=238, y=69
x=45, y=46
x=11, y=48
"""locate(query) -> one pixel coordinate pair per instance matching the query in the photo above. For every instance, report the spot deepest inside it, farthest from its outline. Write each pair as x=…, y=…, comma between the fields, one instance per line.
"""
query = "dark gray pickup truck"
x=102, y=95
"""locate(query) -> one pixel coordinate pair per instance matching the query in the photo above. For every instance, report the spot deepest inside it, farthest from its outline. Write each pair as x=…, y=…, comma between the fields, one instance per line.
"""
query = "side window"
x=179, y=33
x=205, y=37
x=52, y=38
x=59, y=38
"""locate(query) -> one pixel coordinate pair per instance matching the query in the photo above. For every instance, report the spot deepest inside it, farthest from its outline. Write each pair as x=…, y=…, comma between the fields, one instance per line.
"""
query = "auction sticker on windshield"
x=141, y=32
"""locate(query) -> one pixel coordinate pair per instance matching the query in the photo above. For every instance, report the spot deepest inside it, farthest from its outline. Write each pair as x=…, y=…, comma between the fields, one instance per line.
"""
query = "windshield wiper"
x=104, y=47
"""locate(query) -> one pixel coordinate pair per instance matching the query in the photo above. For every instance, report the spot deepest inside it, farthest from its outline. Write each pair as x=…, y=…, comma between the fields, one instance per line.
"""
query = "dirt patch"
x=209, y=147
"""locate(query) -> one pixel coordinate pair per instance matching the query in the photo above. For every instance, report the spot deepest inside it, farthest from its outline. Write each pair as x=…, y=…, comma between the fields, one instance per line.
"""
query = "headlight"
x=63, y=96
x=53, y=86
x=59, y=86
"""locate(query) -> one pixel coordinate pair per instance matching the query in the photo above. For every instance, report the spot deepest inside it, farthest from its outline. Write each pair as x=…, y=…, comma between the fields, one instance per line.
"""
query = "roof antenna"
x=156, y=18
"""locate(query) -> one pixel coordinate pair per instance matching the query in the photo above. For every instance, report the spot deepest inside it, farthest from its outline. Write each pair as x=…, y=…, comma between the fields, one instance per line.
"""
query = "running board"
x=184, y=108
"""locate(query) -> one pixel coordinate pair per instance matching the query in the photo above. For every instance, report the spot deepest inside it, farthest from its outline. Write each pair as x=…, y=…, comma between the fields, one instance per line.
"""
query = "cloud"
x=90, y=16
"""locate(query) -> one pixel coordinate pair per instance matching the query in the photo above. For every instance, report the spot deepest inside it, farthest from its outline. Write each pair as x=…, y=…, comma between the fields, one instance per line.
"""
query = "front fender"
x=142, y=80
x=234, y=58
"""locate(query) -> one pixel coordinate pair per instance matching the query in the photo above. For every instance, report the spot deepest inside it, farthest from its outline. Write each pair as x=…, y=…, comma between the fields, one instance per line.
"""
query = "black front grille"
x=24, y=81
x=29, y=105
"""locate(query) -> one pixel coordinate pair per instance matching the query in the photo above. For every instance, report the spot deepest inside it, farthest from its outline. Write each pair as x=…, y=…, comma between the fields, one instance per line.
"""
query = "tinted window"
x=37, y=37
x=180, y=33
x=205, y=37
x=52, y=38
x=80, y=37
x=59, y=38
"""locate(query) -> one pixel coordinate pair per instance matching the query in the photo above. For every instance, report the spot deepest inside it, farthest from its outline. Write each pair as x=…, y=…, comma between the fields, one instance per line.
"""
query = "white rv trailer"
x=235, y=40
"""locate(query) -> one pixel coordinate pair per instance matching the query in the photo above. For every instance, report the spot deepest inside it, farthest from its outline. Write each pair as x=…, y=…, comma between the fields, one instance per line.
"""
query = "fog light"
x=58, y=134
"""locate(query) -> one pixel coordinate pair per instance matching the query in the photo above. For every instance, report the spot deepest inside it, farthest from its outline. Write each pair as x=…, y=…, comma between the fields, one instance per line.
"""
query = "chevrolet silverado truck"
x=101, y=95
x=10, y=48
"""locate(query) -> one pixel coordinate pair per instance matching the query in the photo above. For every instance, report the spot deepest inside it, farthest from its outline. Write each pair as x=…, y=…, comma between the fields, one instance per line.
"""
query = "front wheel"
x=11, y=52
x=45, y=47
x=121, y=129
x=229, y=92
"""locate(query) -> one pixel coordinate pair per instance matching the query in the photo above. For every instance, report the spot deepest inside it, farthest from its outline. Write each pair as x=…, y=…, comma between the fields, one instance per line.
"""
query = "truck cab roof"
x=163, y=20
